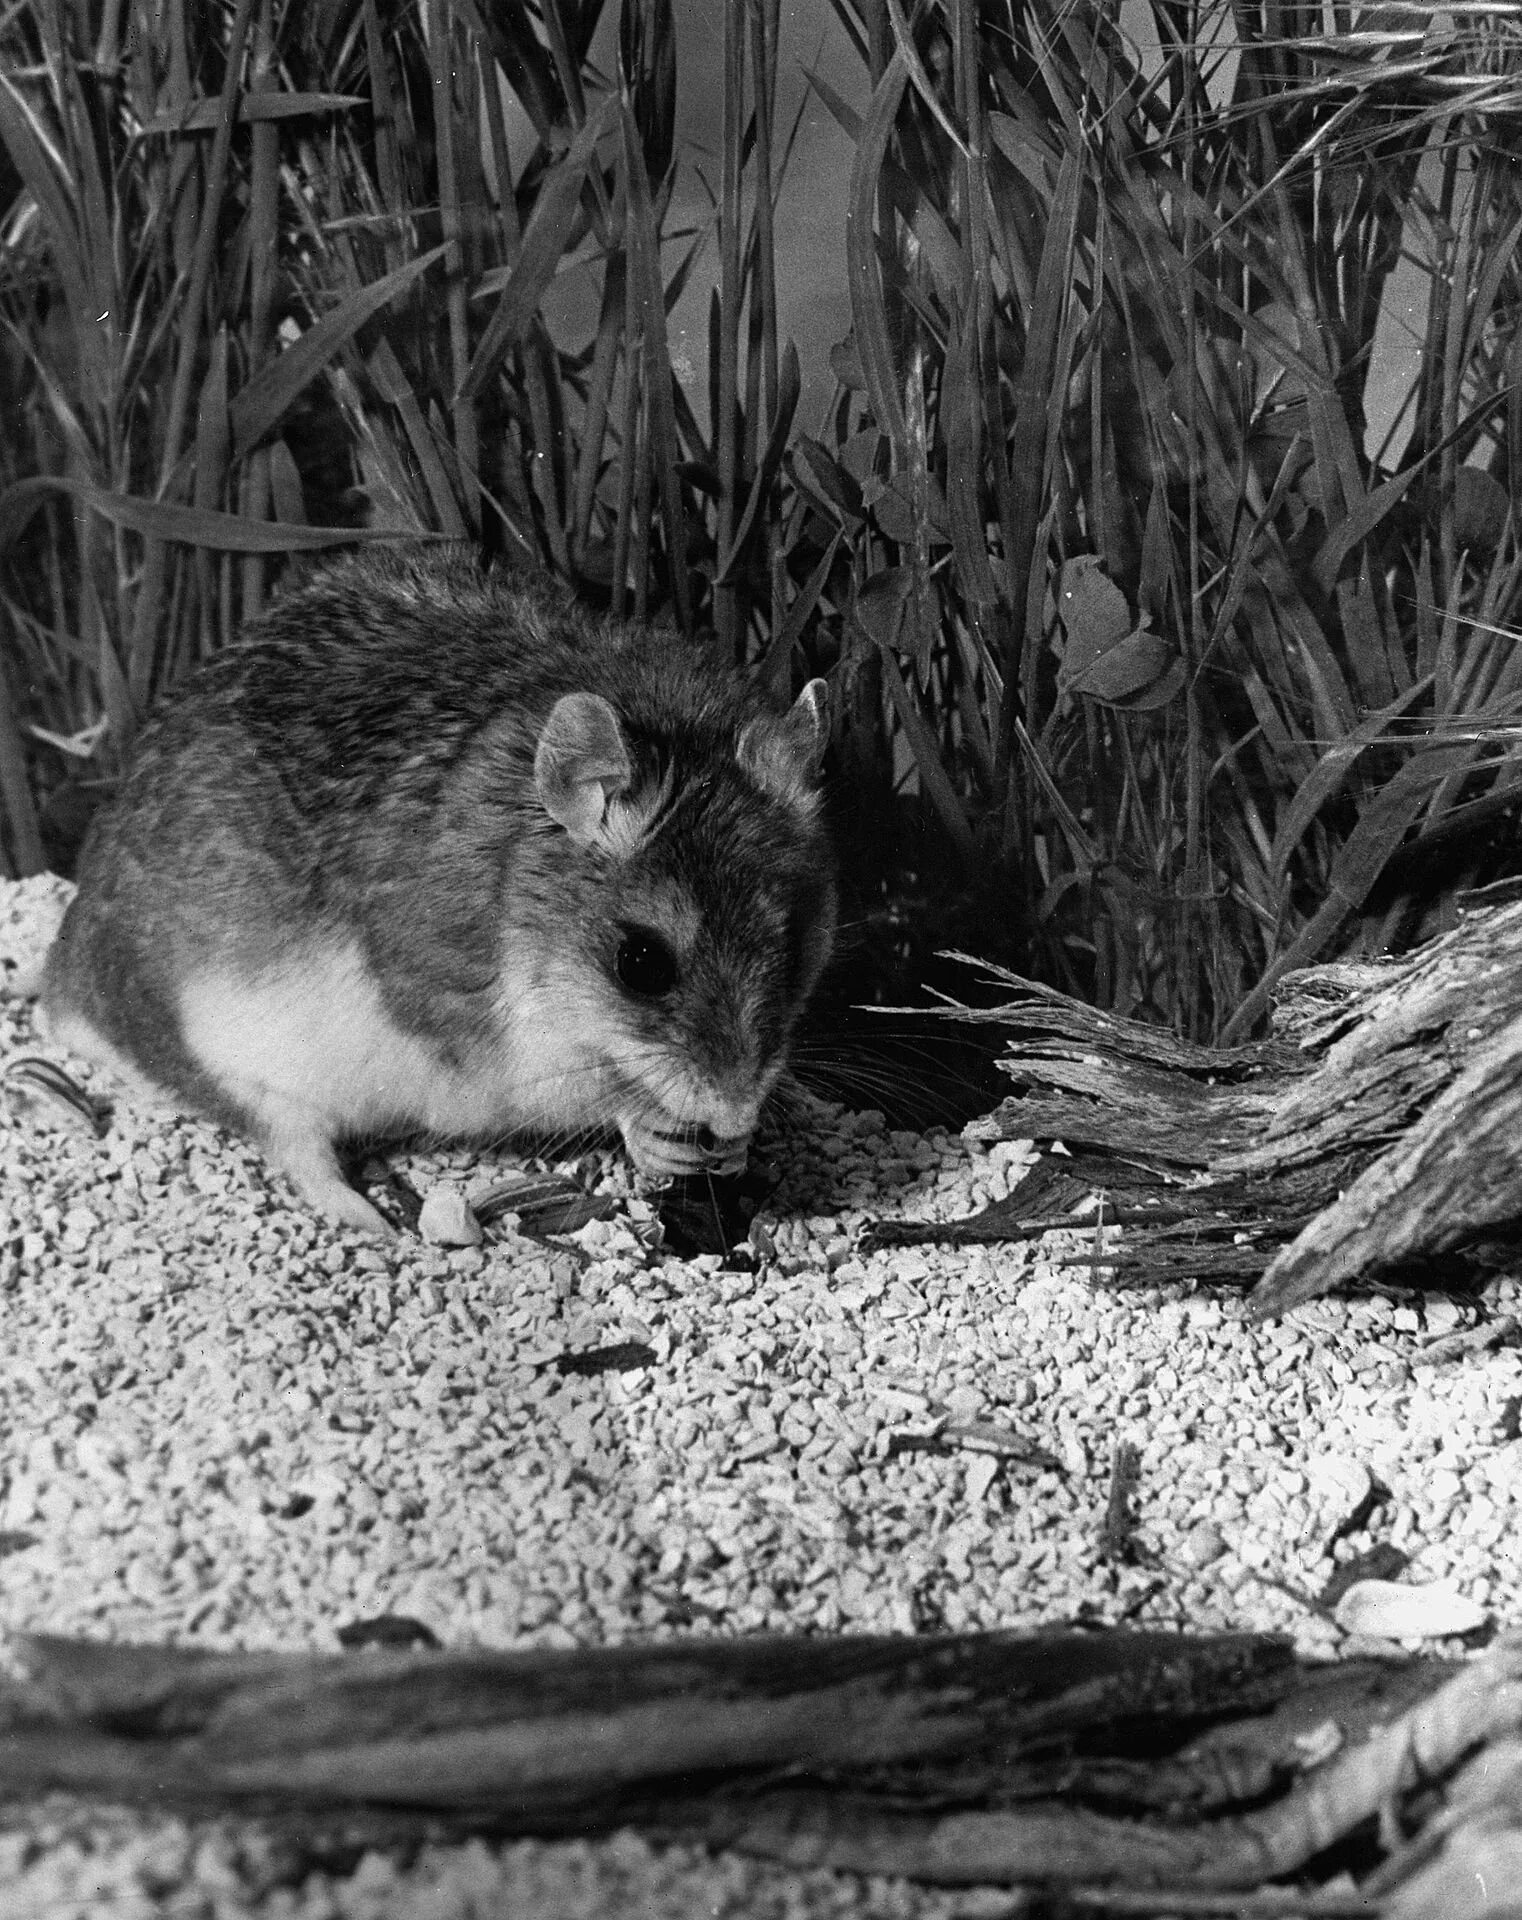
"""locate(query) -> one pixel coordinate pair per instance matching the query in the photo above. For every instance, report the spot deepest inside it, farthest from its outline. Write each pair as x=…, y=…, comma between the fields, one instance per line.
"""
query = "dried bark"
x=1378, y=1131
x=1079, y=1759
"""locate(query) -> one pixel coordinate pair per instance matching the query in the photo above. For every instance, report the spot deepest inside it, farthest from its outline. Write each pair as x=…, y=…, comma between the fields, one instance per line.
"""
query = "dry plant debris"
x=224, y=1427
x=1374, y=1134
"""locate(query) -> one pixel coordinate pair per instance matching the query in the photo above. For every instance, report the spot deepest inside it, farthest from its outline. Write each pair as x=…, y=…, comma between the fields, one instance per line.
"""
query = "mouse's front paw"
x=310, y=1162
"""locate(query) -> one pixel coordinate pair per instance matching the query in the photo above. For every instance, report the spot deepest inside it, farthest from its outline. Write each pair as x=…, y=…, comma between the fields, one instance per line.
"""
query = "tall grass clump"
x=1157, y=542
x=272, y=281
x=1200, y=676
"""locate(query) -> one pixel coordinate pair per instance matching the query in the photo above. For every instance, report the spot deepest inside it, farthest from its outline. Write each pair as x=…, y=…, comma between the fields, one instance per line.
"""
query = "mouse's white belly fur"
x=308, y=1053
x=315, y=1039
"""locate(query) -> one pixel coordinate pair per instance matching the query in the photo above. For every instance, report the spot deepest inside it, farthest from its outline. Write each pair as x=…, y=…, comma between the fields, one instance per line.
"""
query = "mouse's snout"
x=661, y=1144
x=723, y=1153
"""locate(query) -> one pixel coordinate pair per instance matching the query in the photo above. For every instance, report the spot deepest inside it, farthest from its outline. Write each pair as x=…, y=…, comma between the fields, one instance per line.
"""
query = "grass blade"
x=265, y=400
x=660, y=419
x=869, y=318
x=162, y=520
x=544, y=241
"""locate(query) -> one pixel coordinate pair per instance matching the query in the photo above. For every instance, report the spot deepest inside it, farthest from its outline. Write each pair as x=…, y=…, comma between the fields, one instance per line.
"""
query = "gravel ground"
x=224, y=1424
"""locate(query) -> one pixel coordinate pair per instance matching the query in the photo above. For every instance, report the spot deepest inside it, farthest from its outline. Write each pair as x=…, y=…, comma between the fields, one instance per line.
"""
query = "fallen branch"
x=1131, y=1760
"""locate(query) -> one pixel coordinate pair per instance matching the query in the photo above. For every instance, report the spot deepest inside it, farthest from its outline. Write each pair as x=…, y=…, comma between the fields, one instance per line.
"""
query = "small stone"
x=903, y=1302
x=982, y=1471
x=1340, y=1482
x=1392, y=1610
x=446, y=1219
x=1203, y=1543
x=80, y=1225
x=964, y=1403
x=911, y=1268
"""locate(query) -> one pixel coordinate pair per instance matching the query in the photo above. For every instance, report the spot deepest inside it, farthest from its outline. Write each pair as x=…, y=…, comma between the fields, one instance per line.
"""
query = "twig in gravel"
x=1383, y=1561
x=1503, y=1332
x=987, y=1436
x=1117, y=1530
x=622, y=1356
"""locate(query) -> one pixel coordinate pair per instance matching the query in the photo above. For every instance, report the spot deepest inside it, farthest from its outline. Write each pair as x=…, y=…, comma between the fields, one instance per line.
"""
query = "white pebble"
x=446, y=1219
x=1396, y=1612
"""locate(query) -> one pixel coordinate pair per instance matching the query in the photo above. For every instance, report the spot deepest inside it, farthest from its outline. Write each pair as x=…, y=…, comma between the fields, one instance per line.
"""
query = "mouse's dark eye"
x=644, y=963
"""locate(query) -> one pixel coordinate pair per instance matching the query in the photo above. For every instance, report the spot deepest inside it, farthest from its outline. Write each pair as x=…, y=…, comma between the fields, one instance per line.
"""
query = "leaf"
x=525, y=61
x=647, y=69
x=1106, y=656
x=933, y=776
x=772, y=670
x=1330, y=774
x=264, y=401
x=893, y=510
x=879, y=606
x=1131, y=666
x=845, y=115
x=285, y=485
x=817, y=472
x=789, y=387
x=921, y=81
x=1093, y=612
x=863, y=270
x=1033, y=396
x=387, y=373
x=1157, y=554
x=544, y=241
x=1481, y=510
x=43, y=172
x=204, y=115
x=660, y=410
x=161, y=520
x=863, y=455
x=1387, y=814
x=212, y=435
x=964, y=522
x=1358, y=525
x=845, y=364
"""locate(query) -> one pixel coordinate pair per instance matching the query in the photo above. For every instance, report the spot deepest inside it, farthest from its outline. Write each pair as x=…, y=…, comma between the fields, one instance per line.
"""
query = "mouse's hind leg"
x=299, y=1046
x=68, y=1031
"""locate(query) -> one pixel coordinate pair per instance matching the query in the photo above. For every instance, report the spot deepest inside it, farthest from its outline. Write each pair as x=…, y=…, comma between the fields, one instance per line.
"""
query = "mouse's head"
x=705, y=905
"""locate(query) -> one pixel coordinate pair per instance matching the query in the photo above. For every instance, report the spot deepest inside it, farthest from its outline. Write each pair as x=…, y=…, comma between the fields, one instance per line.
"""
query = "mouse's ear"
x=783, y=756
x=581, y=764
